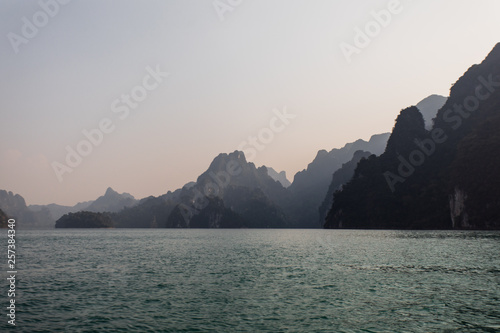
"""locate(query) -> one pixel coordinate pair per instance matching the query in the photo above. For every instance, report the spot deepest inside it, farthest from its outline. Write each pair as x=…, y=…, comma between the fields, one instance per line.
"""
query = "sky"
x=147, y=93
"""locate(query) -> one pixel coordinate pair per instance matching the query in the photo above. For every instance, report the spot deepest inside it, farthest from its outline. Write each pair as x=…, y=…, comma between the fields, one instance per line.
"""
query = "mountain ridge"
x=434, y=179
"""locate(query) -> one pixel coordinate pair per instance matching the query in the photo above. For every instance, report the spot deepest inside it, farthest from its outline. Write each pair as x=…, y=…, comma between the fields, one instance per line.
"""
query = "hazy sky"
x=229, y=67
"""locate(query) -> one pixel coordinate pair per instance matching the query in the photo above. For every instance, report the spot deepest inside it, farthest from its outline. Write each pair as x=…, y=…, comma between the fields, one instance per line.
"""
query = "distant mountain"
x=279, y=177
x=14, y=206
x=446, y=178
x=112, y=202
x=320, y=170
x=231, y=193
x=56, y=211
x=429, y=108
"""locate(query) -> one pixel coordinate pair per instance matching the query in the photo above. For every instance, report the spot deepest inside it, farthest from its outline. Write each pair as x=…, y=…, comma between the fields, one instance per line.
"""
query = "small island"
x=85, y=220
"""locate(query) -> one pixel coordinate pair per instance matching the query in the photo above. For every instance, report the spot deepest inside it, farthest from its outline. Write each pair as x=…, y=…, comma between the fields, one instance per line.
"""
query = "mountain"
x=429, y=108
x=214, y=215
x=279, y=177
x=231, y=193
x=320, y=170
x=339, y=178
x=56, y=211
x=318, y=174
x=445, y=178
x=310, y=186
x=112, y=202
x=14, y=206
x=151, y=212
x=231, y=189
x=261, y=197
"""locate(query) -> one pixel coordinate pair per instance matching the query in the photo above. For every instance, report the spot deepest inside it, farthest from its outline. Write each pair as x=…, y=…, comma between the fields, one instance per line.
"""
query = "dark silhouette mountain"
x=258, y=196
x=233, y=193
x=440, y=179
x=112, y=202
x=310, y=194
x=409, y=125
x=475, y=180
x=429, y=108
x=339, y=178
x=279, y=177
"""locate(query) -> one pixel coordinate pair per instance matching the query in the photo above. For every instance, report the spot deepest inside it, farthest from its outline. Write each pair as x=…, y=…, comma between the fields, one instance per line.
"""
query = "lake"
x=255, y=281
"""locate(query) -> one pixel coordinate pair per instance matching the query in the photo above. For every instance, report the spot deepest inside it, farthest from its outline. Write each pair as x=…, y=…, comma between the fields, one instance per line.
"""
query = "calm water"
x=256, y=281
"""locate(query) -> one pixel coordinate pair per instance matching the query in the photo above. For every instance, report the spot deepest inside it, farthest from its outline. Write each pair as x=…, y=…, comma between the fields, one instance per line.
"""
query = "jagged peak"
x=409, y=125
x=223, y=161
x=110, y=191
x=234, y=156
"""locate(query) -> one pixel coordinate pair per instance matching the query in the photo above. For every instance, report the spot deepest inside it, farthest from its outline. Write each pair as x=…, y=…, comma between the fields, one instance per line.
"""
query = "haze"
x=227, y=79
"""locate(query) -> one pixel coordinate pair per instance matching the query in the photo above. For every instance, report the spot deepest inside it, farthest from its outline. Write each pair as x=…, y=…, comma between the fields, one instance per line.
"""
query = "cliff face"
x=458, y=212
x=439, y=179
x=474, y=183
